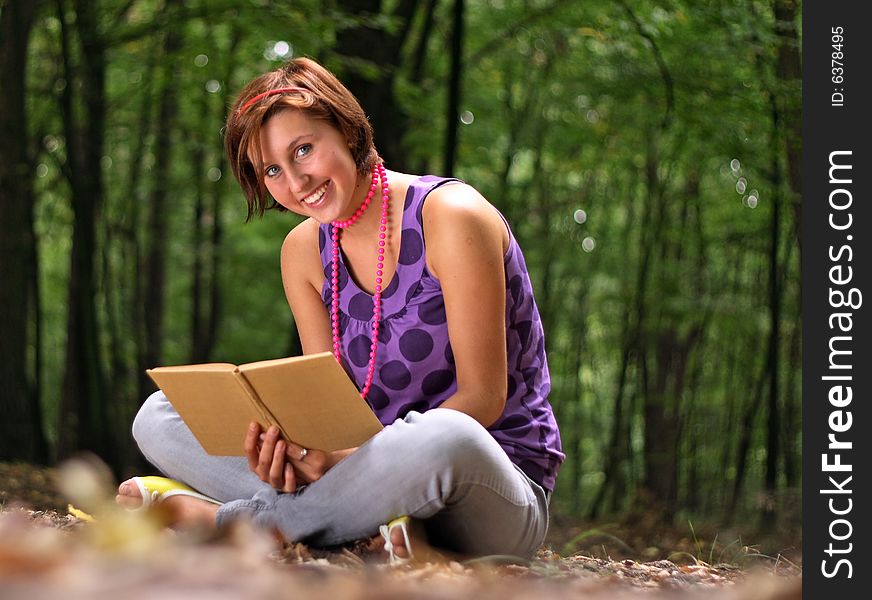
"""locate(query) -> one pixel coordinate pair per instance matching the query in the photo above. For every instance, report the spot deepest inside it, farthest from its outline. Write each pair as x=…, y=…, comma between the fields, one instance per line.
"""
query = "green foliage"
x=653, y=118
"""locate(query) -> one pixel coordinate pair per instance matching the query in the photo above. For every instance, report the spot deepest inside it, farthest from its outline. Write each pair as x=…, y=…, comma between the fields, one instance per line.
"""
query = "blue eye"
x=271, y=171
x=304, y=150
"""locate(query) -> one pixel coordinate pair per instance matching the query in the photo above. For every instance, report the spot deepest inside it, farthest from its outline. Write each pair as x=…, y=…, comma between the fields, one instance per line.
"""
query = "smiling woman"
x=304, y=174
x=304, y=85
x=427, y=304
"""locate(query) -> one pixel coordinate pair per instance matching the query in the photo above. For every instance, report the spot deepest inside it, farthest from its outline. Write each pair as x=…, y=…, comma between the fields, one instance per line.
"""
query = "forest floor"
x=47, y=553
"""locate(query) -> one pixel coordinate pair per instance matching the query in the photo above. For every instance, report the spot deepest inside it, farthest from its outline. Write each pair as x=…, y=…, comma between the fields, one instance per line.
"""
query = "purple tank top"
x=415, y=365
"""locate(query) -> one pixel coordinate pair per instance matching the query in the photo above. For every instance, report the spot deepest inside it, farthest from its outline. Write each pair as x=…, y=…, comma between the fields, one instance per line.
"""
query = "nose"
x=298, y=181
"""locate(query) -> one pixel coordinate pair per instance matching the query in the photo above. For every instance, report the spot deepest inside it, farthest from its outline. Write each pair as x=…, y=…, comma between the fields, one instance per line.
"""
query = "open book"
x=309, y=398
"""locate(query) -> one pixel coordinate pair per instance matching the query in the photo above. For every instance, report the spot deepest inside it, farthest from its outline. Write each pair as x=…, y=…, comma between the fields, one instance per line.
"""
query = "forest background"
x=645, y=152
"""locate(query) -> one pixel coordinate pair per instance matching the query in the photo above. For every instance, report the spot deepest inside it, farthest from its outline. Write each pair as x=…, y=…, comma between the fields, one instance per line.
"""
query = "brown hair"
x=320, y=95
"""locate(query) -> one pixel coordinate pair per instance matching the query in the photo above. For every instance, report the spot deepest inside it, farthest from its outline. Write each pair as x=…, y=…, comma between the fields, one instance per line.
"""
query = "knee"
x=147, y=418
x=454, y=439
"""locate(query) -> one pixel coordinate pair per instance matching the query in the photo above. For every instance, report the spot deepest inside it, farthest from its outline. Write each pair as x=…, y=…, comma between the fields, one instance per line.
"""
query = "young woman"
x=418, y=287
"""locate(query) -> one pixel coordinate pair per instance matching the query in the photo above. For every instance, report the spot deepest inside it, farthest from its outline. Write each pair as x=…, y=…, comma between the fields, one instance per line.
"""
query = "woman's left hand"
x=307, y=465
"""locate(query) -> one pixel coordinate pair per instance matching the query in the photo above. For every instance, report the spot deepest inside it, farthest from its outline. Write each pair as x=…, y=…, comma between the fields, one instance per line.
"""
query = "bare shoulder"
x=301, y=257
x=460, y=208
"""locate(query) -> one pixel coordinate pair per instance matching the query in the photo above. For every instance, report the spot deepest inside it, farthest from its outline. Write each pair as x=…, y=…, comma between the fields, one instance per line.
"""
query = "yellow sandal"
x=386, y=530
x=155, y=490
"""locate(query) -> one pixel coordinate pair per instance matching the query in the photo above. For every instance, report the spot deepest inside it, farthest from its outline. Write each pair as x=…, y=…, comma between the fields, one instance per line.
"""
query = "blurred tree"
x=84, y=423
x=22, y=434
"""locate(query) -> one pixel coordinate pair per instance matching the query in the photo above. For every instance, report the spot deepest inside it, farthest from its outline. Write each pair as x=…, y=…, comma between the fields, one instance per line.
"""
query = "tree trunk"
x=452, y=115
x=745, y=435
x=382, y=49
x=21, y=435
x=792, y=410
x=788, y=72
x=199, y=334
x=134, y=245
x=155, y=267
x=665, y=358
x=213, y=317
x=84, y=423
x=420, y=53
x=773, y=424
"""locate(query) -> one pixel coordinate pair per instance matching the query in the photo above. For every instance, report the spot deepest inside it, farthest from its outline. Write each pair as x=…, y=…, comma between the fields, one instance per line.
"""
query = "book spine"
x=265, y=413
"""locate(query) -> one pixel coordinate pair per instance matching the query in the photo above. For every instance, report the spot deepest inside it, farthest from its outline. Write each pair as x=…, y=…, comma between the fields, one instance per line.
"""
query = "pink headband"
x=254, y=99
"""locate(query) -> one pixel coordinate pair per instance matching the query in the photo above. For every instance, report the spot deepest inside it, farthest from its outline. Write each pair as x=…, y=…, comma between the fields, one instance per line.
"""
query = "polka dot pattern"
x=395, y=375
x=416, y=345
x=419, y=406
x=516, y=426
x=412, y=292
x=437, y=382
x=392, y=288
x=377, y=398
x=432, y=311
x=358, y=351
x=411, y=247
x=360, y=306
x=415, y=367
x=449, y=354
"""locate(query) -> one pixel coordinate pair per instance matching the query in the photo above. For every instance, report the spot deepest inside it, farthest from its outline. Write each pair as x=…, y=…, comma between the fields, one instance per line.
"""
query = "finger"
x=250, y=445
x=295, y=452
x=276, y=471
x=290, y=479
x=312, y=467
x=267, y=452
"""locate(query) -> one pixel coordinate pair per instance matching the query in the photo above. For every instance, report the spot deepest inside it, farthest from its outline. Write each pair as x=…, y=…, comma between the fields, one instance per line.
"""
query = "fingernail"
x=273, y=430
x=262, y=437
x=253, y=427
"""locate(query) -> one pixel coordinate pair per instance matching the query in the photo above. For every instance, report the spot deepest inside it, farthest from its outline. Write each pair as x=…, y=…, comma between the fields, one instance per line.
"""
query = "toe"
x=399, y=542
x=128, y=494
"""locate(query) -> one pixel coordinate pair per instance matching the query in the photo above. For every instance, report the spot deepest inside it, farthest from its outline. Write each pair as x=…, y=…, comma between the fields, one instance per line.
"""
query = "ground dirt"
x=47, y=553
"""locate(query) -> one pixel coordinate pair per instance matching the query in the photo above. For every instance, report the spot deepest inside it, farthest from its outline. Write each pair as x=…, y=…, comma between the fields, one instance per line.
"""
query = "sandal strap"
x=155, y=490
x=386, y=530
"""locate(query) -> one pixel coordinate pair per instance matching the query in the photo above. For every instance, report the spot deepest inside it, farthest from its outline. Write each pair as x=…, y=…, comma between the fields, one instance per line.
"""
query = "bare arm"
x=302, y=278
x=466, y=241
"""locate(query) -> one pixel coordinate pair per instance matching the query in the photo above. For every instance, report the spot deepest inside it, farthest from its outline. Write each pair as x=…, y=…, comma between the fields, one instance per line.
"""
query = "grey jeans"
x=441, y=466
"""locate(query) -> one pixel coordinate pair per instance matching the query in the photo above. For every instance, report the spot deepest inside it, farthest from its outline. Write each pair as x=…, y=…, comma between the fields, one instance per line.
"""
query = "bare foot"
x=181, y=511
x=128, y=495
x=398, y=541
x=422, y=551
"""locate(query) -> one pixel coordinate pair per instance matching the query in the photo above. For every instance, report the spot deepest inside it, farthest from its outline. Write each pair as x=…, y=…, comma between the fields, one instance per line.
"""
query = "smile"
x=316, y=196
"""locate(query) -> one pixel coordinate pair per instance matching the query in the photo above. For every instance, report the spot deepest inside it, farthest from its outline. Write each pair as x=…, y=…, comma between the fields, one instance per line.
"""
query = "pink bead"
x=378, y=172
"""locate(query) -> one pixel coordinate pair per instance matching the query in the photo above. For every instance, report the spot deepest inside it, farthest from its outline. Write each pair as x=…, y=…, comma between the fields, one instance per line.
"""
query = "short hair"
x=319, y=94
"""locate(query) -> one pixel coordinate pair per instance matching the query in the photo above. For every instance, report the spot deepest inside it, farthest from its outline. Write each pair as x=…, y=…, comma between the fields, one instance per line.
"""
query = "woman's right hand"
x=267, y=458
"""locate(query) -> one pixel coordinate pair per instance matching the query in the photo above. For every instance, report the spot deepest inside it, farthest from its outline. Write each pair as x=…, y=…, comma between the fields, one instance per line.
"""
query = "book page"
x=314, y=401
x=212, y=402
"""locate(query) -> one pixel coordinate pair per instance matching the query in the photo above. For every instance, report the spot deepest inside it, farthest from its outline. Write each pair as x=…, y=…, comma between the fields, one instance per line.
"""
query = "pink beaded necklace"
x=378, y=171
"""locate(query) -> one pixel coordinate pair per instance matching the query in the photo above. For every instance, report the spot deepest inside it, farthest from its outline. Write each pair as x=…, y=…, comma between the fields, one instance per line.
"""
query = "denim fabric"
x=441, y=466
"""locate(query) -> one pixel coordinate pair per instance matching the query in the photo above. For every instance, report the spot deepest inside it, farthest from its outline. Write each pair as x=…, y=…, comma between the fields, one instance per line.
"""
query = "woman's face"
x=308, y=168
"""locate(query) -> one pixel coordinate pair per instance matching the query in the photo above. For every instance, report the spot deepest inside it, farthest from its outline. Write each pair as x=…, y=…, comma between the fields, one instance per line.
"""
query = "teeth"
x=316, y=195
